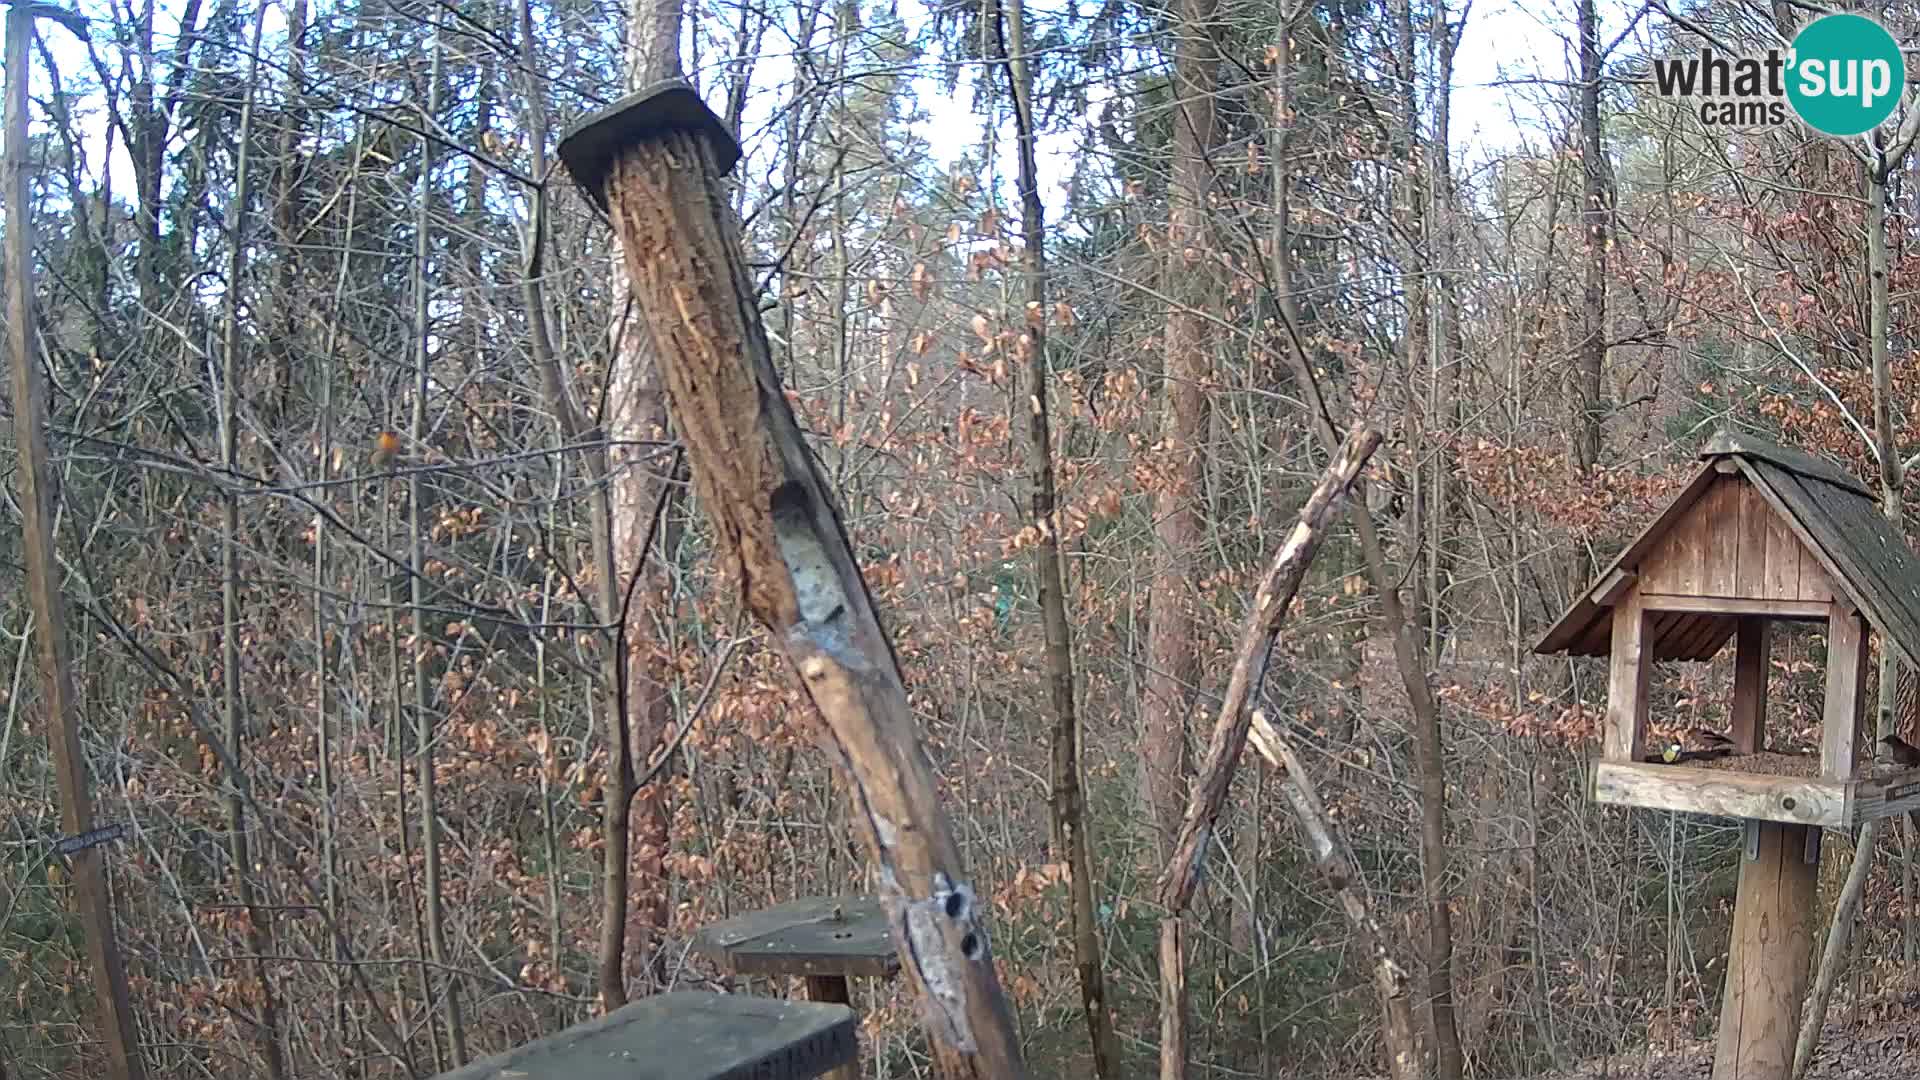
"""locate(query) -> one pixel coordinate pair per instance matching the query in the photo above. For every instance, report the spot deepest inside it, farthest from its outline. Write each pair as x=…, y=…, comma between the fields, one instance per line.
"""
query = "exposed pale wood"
x=1173, y=999
x=1611, y=587
x=1768, y=958
x=1627, y=682
x=1271, y=602
x=1751, y=641
x=686, y=1035
x=1720, y=605
x=1846, y=675
x=1335, y=862
x=1724, y=793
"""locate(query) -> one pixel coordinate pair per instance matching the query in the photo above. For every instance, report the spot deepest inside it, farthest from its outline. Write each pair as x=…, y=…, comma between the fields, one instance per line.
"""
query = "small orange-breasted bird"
x=386, y=448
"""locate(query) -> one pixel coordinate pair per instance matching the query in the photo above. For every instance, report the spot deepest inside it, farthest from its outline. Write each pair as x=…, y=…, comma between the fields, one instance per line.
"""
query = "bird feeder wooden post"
x=1761, y=534
x=654, y=161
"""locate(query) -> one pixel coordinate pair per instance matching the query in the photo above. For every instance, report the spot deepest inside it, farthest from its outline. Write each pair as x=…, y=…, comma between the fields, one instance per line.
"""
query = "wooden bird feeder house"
x=1760, y=534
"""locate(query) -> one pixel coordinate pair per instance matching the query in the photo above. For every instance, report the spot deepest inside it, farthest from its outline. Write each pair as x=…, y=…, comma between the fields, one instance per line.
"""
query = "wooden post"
x=118, y=1029
x=1768, y=958
x=1751, y=642
x=654, y=161
x=1629, y=668
x=1846, y=675
x=833, y=990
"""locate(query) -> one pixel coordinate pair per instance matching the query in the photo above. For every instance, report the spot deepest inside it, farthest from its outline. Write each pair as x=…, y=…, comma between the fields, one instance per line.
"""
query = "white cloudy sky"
x=1507, y=43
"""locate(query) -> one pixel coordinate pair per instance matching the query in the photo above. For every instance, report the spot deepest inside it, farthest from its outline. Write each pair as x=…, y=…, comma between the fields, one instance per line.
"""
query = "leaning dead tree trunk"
x=59, y=702
x=654, y=161
x=1336, y=866
x=1179, y=881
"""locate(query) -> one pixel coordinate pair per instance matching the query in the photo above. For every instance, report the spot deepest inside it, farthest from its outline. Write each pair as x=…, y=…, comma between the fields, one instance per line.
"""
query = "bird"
x=386, y=448
x=1709, y=739
x=1900, y=750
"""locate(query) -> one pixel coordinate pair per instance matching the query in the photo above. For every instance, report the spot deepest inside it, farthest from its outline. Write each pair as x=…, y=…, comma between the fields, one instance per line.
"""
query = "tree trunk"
x=1879, y=319
x=1595, y=219
x=35, y=476
x=639, y=710
x=1068, y=804
x=1171, y=660
x=423, y=716
x=259, y=930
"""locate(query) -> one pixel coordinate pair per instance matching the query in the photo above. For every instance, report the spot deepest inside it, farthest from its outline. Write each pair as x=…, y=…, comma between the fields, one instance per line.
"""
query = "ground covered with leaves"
x=1876, y=1044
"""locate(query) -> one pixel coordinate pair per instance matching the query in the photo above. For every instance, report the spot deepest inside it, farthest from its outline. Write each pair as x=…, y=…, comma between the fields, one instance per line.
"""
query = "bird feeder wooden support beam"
x=654, y=162
x=1846, y=676
x=1770, y=955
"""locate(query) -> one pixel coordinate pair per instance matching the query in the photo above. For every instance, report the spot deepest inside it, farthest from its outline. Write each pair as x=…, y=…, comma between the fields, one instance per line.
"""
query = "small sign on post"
x=67, y=845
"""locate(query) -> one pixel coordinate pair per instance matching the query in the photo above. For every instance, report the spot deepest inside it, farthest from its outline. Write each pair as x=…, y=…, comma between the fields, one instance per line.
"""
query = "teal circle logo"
x=1847, y=74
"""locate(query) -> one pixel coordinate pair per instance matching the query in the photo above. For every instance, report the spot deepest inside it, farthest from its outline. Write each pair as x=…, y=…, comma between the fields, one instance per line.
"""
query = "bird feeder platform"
x=686, y=1036
x=1761, y=534
x=824, y=940
x=817, y=937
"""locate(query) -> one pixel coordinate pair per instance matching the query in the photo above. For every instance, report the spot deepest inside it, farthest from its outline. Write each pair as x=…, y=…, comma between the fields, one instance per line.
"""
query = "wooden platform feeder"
x=686, y=1036
x=823, y=940
x=1760, y=534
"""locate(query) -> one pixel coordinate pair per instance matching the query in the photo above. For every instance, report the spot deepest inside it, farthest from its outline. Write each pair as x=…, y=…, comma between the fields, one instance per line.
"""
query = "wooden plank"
x=1769, y=957
x=1721, y=632
x=1750, y=670
x=1784, y=553
x=1628, y=672
x=1737, y=605
x=846, y=935
x=833, y=990
x=1674, y=564
x=1814, y=584
x=1888, y=796
x=1846, y=676
x=1719, y=532
x=1611, y=586
x=686, y=1035
x=1663, y=632
x=1750, y=561
x=1723, y=793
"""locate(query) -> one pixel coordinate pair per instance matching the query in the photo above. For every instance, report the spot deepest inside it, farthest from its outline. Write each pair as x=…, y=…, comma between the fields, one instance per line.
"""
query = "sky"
x=1507, y=43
